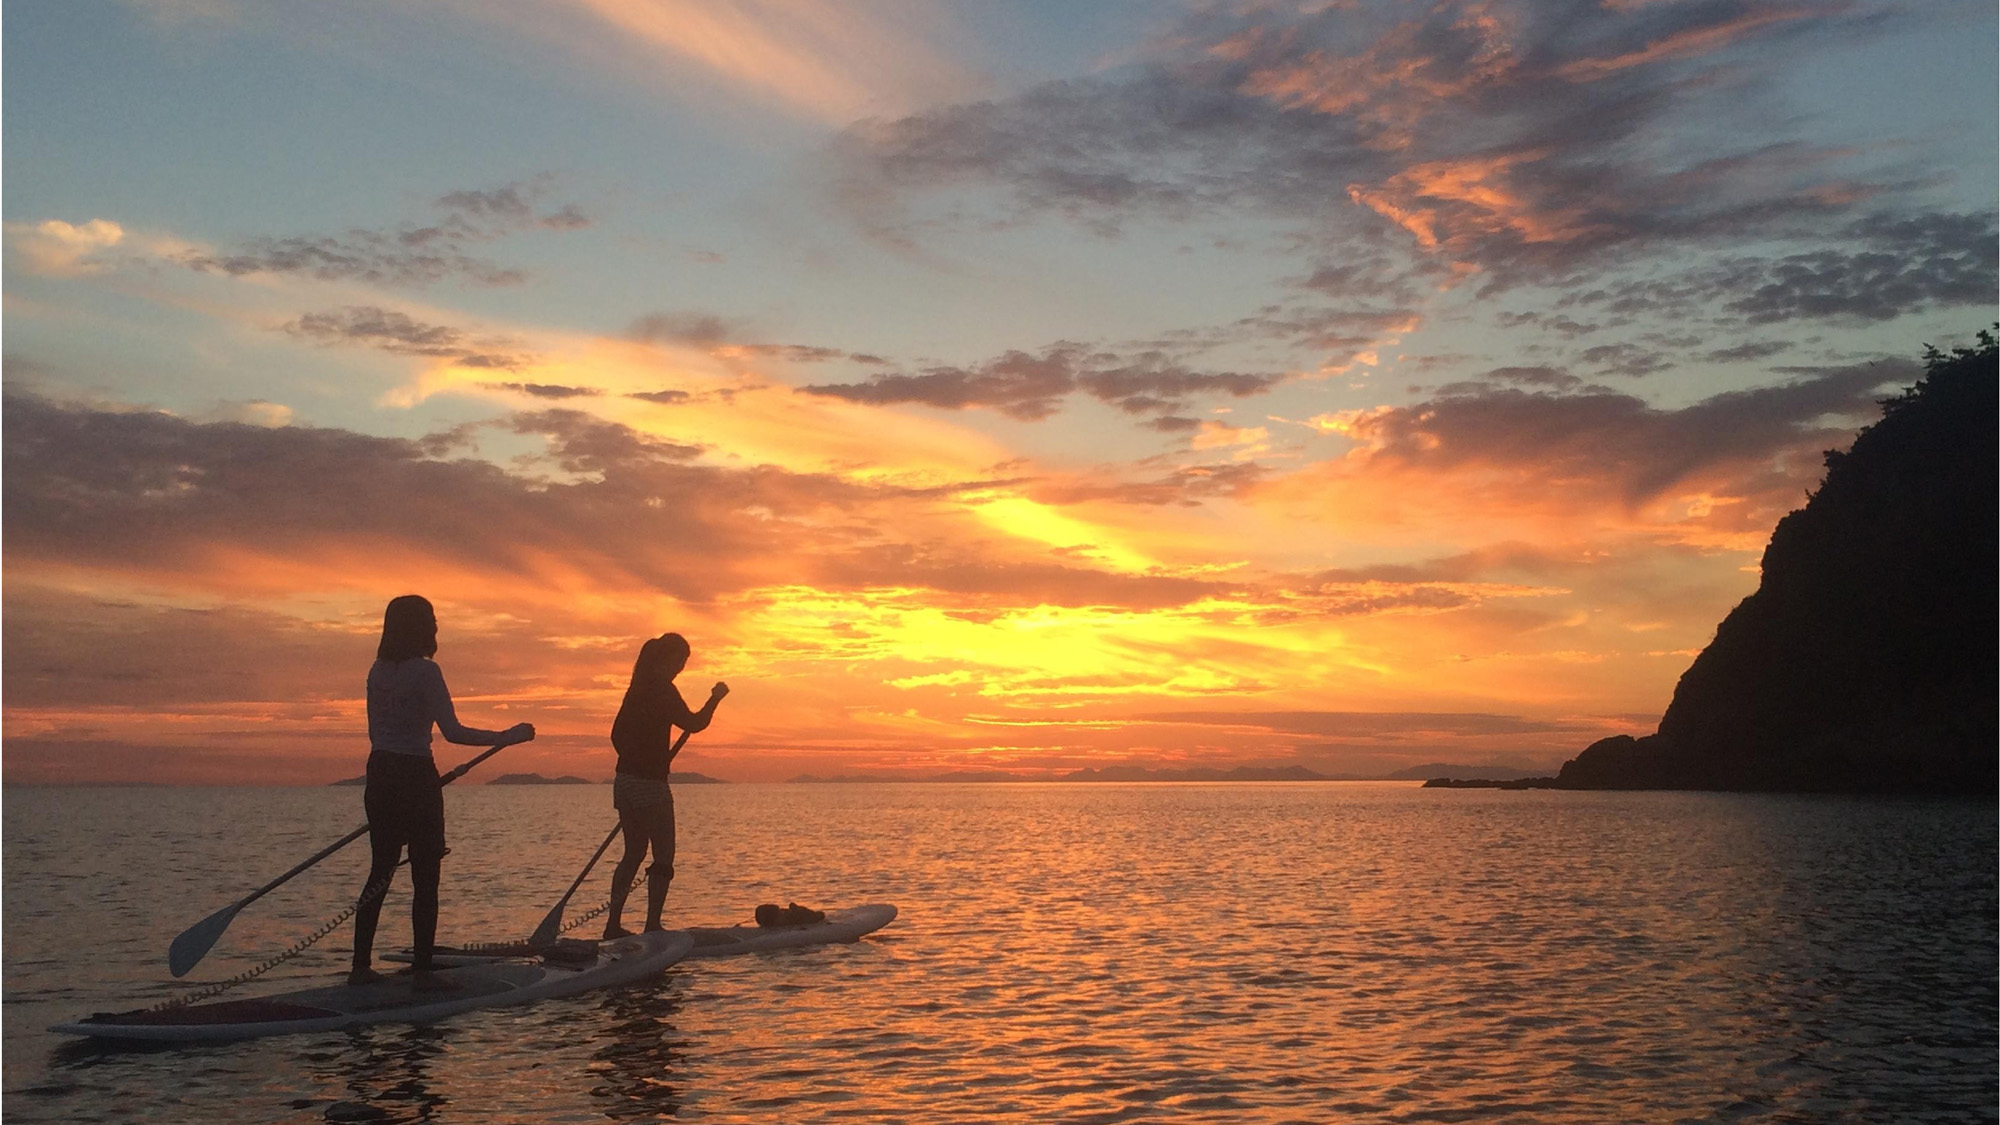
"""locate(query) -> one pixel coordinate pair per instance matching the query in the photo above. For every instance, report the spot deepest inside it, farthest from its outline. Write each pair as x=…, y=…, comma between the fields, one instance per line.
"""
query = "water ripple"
x=1284, y=953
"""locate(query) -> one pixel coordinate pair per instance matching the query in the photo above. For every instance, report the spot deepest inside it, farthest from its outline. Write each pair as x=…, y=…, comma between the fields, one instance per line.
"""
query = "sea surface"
x=1066, y=952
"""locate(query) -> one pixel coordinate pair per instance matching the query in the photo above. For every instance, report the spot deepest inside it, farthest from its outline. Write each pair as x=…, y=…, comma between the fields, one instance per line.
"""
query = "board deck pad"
x=483, y=985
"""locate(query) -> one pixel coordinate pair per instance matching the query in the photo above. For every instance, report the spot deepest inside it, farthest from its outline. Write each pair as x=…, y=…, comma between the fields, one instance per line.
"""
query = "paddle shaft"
x=551, y=926
x=547, y=931
x=274, y=884
x=194, y=942
x=466, y=767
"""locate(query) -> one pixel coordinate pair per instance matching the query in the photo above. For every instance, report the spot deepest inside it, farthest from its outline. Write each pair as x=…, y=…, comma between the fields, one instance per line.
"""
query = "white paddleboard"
x=840, y=925
x=709, y=941
x=484, y=985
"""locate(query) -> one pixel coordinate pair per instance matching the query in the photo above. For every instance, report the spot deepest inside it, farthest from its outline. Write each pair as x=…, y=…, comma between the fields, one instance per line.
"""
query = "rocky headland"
x=1865, y=662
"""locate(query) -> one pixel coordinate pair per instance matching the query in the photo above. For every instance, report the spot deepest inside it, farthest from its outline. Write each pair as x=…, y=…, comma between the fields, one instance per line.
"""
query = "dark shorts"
x=405, y=804
x=646, y=807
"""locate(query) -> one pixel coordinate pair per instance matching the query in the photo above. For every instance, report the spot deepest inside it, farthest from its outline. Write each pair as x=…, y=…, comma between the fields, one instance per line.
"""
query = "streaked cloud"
x=255, y=412
x=410, y=255
x=1031, y=387
x=401, y=334
x=1882, y=266
x=828, y=61
x=723, y=340
x=547, y=390
x=1183, y=486
x=1719, y=471
x=680, y=390
x=1363, y=722
x=1506, y=145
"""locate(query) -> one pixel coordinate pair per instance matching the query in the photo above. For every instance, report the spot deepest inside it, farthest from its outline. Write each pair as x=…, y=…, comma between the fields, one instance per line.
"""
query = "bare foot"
x=654, y=927
x=612, y=933
x=423, y=980
x=364, y=976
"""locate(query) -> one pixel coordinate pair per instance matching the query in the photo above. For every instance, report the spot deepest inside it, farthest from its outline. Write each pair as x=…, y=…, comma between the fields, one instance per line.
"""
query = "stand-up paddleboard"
x=709, y=941
x=484, y=985
x=850, y=924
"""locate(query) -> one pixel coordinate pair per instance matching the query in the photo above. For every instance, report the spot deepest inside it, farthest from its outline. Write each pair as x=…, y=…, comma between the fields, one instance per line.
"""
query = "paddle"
x=194, y=942
x=551, y=926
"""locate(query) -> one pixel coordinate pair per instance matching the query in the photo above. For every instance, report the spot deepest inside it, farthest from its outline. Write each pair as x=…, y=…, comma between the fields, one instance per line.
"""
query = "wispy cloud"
x=1363, y=723
x=723, y=340
x=829, y=61
x=1719, y=471
x=409, y=255
x=1505, y=144
x=1877, y=268
x=400, y=334
x=94, y=488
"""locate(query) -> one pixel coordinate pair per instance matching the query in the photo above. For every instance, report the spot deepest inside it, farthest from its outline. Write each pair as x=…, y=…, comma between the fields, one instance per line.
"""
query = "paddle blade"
x=195, y=941
x=549, y=930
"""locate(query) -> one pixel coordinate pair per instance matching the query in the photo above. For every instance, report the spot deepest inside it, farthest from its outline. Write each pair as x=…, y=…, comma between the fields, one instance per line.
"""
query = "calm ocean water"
x=1242, y=952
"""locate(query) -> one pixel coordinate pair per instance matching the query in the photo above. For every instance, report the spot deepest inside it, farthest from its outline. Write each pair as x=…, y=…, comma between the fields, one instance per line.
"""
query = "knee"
x=425, y=876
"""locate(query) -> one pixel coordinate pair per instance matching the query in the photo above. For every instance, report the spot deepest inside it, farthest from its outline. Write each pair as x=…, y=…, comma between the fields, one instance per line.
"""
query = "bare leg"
x=662, y=872
x=621, y=878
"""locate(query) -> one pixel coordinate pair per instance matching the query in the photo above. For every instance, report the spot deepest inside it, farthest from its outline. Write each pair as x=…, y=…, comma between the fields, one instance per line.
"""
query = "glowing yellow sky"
x=976, y=386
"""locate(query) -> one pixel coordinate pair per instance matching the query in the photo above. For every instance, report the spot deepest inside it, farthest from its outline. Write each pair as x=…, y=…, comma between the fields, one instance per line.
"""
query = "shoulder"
x=415, y=671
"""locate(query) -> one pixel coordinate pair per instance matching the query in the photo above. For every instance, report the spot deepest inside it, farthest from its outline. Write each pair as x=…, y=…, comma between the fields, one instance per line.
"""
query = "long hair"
x=409, y=628
x=663, y=649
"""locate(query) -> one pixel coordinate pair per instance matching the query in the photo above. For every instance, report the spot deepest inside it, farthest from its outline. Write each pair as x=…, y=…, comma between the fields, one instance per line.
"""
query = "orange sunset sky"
x=1020, y=386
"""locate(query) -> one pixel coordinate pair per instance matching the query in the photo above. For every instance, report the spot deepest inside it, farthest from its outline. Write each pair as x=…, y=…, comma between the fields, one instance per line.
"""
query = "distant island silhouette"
x=1866, y=660
x=1193, y=773
x=536, y=779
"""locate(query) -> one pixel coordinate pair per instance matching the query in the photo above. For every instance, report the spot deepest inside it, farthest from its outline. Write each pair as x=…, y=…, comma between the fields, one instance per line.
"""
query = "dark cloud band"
x=411, y=255
x=400, y=334
x=1031, y=387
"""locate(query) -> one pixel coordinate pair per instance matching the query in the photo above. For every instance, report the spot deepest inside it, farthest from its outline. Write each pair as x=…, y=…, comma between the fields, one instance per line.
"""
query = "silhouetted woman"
x=643, y=736
x=405, y=802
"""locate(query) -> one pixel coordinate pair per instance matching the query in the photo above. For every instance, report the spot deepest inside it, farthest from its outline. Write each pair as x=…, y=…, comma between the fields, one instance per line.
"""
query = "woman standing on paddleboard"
x=404, y=800
x=643, y=736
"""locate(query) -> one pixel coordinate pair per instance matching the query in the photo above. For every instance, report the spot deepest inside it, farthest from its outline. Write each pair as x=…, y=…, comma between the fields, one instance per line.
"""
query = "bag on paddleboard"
x=771, y=914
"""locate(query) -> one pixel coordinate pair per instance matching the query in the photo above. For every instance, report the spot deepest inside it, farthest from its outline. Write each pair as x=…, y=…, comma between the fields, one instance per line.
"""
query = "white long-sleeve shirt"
x=405, y=697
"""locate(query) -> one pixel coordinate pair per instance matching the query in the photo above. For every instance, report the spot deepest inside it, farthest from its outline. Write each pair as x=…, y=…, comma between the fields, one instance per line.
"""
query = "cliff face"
x=1866, y=660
